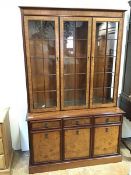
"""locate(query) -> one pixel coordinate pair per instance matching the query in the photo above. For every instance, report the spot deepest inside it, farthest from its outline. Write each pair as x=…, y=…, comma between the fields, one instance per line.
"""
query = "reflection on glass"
x=43, y=62
x=104, y=61
x=75, y=62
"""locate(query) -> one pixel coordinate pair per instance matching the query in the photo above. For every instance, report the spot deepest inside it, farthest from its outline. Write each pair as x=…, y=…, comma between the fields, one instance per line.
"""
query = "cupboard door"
x=46, y=146
x=42, y=50
x=105, y=61
x=77, y=143
x=106, y=140
x=75, y=34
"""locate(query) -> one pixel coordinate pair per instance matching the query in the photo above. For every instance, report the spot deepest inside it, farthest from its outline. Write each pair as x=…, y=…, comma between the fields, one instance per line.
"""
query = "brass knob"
x=46, y=125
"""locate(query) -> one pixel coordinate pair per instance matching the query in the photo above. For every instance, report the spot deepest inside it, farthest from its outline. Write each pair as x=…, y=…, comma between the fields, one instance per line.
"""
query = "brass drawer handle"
x=46, y=135
x=46, y=125
x=77, y=132
x=77, y=122
x=107, y=120
x=106, y=129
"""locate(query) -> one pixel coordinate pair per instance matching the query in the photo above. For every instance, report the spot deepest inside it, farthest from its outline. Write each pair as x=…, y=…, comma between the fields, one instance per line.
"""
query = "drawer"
x=107, y=119
x=0, y=130
x=2, y=162
x=77, y=122
x=1, y=147
x=46, y=124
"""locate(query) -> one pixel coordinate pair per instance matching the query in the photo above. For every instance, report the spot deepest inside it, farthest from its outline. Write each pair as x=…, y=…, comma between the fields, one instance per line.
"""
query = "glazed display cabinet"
x=72, y=60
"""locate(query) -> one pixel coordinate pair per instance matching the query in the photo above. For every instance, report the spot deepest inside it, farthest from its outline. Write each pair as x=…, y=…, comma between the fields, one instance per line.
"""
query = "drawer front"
x=1, y=147
x=76, y=122
x=2, y=162
x=77, y=143
x=45, y=125
x=46, y=146
x=107, y=120
x=0, y=130
x=106, y=140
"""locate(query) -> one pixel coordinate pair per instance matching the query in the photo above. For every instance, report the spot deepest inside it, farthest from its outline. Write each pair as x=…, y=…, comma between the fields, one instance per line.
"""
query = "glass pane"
x=50, y=82
x=110, y=64
x=101, y=95
x=81, y=30
x=36, y=48
x=69, y=29
x=69, y=82
x=75, y=62
x=105, y=61
x=108, y=95
x=44, y=100
x=80, y=81
x=80, y=97
x=39, y=100
x=112, y=30
x=109, y=80
x=97, y=95
x=34, y=29
x=38, y=83
x=81, y=48
x=50, y=66
x=69, y=65
x=69, y=97
x=37, y=66
x=43, y=62
x=48, y=49
x=50, y=99
x=81, y=65
x=69, y=48
x=111, y=47
x=100, y=46
x=48, y=31
x=98, y=80
x=99, y=63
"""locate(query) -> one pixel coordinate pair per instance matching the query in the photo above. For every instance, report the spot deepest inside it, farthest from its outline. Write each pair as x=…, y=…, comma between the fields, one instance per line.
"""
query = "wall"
x=12, y=73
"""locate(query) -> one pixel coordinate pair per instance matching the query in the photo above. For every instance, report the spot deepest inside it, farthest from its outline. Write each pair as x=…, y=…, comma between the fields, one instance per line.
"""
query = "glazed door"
x=42, y=52
x=106, y=49
x=75, y=38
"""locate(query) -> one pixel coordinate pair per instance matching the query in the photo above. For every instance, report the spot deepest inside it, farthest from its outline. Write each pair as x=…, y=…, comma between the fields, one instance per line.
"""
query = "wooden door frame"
x=89, y=20
x=117, y=64
x=28, y=60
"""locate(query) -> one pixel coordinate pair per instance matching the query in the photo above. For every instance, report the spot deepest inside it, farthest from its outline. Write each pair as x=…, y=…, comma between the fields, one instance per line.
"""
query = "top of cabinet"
x=72, y=11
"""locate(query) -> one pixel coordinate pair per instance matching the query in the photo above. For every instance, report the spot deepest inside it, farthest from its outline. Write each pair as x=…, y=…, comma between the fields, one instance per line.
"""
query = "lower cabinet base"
x=73, y=164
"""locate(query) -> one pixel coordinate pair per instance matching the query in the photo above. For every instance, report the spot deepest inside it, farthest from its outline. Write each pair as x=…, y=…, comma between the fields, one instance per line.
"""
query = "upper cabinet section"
x=72, y=58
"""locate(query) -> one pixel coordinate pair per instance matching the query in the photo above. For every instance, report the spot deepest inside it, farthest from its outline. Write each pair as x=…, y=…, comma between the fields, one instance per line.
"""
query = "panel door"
x=77, y=143
x=46, y=146
x=105, y=61
x=106, y=140
x=75, y=38
x=42, y=52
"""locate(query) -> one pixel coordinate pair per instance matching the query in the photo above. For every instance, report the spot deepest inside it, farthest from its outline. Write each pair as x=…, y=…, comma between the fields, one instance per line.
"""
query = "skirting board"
x=73, y=164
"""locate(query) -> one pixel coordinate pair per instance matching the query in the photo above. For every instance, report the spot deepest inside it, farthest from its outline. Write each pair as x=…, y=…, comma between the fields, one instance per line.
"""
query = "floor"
x=20, y=166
